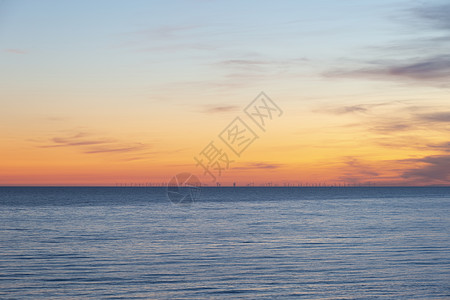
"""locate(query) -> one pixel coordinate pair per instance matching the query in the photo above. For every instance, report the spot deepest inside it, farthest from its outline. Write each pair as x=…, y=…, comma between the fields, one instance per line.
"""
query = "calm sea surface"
x=265, y=243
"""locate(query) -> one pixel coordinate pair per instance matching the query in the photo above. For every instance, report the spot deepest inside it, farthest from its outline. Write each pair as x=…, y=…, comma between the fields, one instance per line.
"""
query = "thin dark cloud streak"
x=78, y=139
x=435, y=117
x=392, y=127
x=69, y=144
x=168, y=39
x=430, y=69
x=436, y=17
x=115, y=150
x=341, y=110
x=352, y=109
x=221, y=109
x=91, y=145
x=435, y=169
x=436, y=121
x=444, y=147
x=428, y=59
x=169, y=31
x=16, y=51
x=423, y=69
x=355, y=166
x=243, y=62
x=258, y=165
x=389, y=118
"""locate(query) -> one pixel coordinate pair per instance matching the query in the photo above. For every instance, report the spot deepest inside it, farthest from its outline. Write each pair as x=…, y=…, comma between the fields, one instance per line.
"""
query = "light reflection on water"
x=235, y=242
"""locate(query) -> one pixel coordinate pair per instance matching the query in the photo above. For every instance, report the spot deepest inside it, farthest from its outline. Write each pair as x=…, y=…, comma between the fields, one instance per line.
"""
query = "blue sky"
x=138, y=71
x=179, y=39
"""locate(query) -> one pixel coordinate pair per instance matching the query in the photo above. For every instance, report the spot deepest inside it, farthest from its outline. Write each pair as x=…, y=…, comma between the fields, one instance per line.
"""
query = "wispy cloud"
x=406, y=142
x=258, y=165
x=432, y=118
x=55, y=119
x=401, y=122
x=435, y=170
x=169, y=31
x=89, y=144
x=261, y=63
x=425, y=60
x=436, y=17
x=352, y=109
x=78, y=139
x=390, y=127
x=245, y=62
x=176, y=47
x=341, y=110
x=169, y=39
x=355, y=167
x=435, y=117
x=393, y=117
x=435, y=68
x=116, y=149
x=430, y=68
x=429, y=170
x=221, y=109
x=444, y=147
x=16, y=51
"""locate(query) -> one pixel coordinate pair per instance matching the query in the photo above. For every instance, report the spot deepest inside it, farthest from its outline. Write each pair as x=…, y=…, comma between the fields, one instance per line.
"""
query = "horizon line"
x=223, y=186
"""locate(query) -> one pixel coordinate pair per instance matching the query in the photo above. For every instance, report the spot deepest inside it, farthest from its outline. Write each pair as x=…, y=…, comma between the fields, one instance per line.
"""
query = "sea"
x=230, y=243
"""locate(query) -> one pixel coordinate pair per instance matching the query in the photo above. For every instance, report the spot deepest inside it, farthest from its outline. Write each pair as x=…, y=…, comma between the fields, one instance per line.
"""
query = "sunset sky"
x=121, y=92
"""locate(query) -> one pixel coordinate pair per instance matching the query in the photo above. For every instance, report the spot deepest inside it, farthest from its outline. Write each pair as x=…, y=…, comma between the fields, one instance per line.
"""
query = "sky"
x=135, y=92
